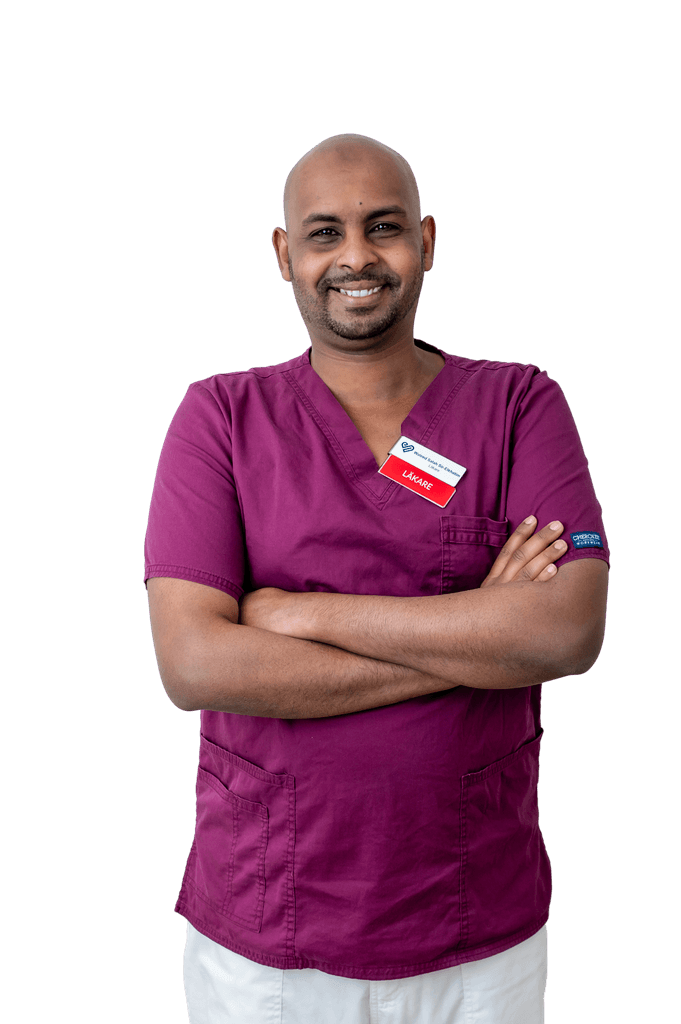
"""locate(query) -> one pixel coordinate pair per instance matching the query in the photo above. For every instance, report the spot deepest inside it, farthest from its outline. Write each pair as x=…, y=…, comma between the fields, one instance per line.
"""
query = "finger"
x=537, y=566
x=532, y=547
x=513, y=544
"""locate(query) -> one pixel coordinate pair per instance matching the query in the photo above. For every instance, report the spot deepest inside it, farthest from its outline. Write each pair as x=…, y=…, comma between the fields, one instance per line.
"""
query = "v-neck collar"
x=350, y=447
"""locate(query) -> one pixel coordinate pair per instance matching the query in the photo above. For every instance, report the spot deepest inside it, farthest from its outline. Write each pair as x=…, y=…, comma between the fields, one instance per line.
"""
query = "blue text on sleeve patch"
x=586, y=539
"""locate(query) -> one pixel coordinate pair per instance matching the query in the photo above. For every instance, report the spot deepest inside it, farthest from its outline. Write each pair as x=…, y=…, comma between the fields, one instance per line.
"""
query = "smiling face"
x=355, y=249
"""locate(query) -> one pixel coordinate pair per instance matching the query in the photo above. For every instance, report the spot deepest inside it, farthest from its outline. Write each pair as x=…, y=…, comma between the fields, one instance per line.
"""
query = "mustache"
x=373, y=280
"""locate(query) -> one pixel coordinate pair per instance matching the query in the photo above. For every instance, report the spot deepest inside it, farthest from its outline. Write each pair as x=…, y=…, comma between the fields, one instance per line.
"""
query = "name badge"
x=422, y=471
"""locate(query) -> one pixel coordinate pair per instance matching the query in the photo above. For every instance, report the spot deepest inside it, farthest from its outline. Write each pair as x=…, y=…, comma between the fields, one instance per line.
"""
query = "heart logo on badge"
x=407, y=447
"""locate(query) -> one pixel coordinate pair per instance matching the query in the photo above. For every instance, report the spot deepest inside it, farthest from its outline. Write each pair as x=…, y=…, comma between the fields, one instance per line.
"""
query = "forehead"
x=349, y=181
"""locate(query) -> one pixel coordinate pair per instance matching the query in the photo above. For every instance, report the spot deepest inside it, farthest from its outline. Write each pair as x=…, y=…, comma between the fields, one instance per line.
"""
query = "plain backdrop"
x=145, y=150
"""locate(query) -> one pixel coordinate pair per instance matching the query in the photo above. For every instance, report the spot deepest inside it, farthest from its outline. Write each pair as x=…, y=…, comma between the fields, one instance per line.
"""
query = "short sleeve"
x=195, y=529
x=549, y=474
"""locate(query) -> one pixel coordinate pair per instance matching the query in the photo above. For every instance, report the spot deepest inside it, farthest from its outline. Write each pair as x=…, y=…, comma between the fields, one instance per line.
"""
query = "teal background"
x=145, y=147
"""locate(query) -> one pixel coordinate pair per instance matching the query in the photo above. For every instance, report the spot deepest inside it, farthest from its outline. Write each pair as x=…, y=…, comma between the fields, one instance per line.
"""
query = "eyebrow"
x=331, y=218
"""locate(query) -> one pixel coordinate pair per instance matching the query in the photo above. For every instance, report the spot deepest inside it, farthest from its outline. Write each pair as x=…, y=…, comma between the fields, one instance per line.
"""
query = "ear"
x=280, y=243
x=428, y=232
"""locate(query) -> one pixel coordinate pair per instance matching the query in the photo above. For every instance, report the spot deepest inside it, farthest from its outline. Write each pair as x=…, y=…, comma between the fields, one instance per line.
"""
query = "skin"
x=362, y=348
x=366, y=233
x=287, y=655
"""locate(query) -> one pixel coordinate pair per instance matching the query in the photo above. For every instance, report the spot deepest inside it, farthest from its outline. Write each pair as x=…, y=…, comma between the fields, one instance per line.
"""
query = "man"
x=352, y=573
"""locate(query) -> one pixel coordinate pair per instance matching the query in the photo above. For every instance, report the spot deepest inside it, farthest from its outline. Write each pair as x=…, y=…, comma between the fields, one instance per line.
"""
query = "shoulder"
x=217, y=394
x=256, y=377
x=493, y=369
x=513, y=381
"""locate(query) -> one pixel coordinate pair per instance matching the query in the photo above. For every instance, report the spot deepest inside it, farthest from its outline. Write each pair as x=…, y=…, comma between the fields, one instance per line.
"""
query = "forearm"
x=498, y=637
x=249, y=671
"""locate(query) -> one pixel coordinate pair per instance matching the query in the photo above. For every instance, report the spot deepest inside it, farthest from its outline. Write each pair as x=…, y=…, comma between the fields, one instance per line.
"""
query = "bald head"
x=353, y=218
x=344, y=153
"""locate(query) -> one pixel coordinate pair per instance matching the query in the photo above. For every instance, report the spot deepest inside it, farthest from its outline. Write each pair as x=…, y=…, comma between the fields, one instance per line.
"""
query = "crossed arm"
x=315, y=655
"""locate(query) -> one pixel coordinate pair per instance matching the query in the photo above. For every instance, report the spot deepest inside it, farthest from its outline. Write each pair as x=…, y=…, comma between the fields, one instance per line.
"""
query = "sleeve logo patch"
x=586, y=539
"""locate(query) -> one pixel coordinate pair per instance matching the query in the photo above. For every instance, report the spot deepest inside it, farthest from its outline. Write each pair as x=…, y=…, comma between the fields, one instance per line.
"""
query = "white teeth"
x=362, y=293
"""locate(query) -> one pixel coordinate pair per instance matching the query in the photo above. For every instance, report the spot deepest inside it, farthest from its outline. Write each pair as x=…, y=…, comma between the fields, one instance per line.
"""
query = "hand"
x=528, y=556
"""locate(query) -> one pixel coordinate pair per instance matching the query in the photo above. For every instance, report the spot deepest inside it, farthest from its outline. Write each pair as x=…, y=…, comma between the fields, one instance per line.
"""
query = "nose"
x=356, y=253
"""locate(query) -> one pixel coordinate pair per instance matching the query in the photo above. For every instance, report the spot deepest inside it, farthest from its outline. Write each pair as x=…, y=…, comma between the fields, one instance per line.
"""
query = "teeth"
x=362, y=293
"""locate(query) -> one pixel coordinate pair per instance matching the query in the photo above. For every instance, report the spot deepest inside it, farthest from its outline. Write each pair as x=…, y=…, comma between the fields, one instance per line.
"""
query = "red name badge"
x=422, y=471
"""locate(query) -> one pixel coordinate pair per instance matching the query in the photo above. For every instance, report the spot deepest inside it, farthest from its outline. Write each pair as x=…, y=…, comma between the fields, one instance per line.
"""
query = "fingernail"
x=560, y=544
x=530, y=519
x=556, y=525
x=551, y=568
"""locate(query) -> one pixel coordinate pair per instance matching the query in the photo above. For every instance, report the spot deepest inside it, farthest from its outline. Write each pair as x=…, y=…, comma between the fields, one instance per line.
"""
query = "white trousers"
x=225, y=988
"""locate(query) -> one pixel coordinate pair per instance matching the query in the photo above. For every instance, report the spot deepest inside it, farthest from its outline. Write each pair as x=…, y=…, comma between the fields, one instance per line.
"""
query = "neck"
x=384, y=371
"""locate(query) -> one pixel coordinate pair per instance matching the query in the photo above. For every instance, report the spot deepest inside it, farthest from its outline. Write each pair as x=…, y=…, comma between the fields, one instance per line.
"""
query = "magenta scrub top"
x=403, y=839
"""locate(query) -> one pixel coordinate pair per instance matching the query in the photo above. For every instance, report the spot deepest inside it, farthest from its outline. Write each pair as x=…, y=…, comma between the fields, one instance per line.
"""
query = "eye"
x=384, y=227
x=325, y=232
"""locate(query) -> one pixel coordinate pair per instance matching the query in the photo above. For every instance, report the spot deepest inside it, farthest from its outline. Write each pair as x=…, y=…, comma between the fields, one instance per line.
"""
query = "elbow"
x=590, y=643
x=194, y=687
x=586, y=656
x=578, y=649
x=181, y=691
x=184, y=679
x=184, y=700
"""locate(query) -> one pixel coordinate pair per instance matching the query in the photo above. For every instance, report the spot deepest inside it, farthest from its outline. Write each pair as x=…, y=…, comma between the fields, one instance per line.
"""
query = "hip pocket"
x=228, y=868
x=237, y=804
x=470, y=545
x=505, y=872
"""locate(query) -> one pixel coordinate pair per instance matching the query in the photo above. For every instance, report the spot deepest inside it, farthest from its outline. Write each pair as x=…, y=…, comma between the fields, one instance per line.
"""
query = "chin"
x=363, y=326
x=358, y=332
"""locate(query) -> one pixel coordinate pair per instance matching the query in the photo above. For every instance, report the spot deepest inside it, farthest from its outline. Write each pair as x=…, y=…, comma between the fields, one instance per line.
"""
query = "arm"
x=207, y=660
x=509, y=633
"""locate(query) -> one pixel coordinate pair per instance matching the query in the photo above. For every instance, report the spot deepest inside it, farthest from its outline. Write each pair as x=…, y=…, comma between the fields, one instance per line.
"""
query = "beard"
x=359, y=323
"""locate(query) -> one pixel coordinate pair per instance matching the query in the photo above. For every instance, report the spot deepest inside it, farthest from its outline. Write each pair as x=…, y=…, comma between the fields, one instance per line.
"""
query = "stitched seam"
x=196, y=574
x=183, y=909
x=290, y=872
x=405, y=971
x=373, y=1003
x=437, y=419
x=467, y=1010
x=463, y=852
x=229, y=895
x=505, y=762
x=337, y=447
x=245, y=766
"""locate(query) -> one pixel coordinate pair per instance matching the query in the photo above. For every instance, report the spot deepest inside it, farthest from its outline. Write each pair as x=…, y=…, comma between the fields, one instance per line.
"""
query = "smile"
x=360, y=294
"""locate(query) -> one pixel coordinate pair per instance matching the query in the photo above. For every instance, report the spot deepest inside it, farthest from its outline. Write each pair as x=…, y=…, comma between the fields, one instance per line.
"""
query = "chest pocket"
x=470, y=545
